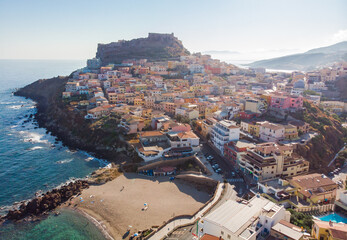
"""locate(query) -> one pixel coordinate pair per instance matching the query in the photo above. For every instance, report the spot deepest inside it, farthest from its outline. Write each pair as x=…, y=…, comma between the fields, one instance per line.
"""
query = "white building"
x=106, y=84
x=243, y=220
x=223, y=132
x=271, y=132
x=196, y=68
x=187, y=112
x=317, y=86
x=184, y=139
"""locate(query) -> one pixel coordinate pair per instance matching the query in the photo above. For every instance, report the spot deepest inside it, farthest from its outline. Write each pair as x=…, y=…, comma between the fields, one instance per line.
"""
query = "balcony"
x=221, y=132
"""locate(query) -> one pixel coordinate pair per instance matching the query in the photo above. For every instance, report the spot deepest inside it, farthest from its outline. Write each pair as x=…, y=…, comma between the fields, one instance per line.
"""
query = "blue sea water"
x=31, y=160
x=334, y=217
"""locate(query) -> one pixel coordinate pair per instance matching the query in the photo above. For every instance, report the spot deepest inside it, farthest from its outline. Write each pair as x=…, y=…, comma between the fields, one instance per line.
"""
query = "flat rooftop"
x=237, y=217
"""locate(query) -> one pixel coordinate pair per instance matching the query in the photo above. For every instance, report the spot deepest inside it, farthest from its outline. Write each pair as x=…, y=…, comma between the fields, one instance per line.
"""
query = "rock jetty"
x=47, y=201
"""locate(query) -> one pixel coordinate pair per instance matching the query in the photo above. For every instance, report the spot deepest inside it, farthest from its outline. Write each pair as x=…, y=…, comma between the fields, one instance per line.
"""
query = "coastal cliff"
x=330, y=139
x=156, y=47
x=70, y=127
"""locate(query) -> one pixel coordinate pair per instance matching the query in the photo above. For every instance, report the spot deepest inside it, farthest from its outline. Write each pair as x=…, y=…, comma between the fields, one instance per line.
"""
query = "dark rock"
x=48, y=201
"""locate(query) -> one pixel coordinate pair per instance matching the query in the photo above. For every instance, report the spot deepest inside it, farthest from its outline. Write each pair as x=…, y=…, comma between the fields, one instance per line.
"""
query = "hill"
x=100, y=137
x=307, y=61
x=322, y=148
x=156, y=47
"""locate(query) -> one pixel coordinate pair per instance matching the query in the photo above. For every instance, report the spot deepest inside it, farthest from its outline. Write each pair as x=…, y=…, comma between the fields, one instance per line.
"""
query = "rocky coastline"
x=50, y=115
x=46, y=202
x=70, y=127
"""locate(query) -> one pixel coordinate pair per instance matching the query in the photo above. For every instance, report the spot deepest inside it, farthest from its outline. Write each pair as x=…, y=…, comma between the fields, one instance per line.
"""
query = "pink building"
x=285, y=102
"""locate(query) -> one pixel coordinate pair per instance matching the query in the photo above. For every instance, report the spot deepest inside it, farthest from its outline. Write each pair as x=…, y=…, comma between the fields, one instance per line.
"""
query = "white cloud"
x=339, y=36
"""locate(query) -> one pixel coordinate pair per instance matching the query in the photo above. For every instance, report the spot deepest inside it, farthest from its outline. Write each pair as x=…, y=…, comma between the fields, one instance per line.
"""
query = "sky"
x=71, y=29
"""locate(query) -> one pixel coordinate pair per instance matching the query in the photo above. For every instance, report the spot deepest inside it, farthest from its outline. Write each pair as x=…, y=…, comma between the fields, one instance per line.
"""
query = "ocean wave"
x=102, y=162
x=89, y=159
x=35, y=148
x=15, y=106
x=65, y=161
x=33, y=137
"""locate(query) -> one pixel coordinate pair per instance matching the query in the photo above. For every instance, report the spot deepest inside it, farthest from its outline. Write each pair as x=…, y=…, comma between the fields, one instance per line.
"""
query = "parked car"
x=215, y=166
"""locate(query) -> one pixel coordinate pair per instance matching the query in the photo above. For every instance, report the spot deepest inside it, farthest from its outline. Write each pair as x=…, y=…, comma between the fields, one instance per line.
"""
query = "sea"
x=33, y=161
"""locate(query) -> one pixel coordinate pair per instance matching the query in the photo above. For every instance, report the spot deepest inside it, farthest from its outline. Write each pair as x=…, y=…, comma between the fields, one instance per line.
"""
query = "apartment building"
x=286, y=102
x=234, y=149
x=270, y=160
x=271, y=132
x=223, y=132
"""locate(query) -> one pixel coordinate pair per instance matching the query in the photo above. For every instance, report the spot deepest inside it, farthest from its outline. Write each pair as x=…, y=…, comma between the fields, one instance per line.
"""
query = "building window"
x=221, y=232
x=229, y=236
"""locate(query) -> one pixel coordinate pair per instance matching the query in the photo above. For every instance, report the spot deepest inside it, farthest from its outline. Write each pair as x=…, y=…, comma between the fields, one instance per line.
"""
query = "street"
x=227, y=169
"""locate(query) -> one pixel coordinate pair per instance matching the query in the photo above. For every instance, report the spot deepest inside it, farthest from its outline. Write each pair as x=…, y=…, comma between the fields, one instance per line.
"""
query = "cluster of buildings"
x=164, y=105
x=260, y=218
x=318, y=85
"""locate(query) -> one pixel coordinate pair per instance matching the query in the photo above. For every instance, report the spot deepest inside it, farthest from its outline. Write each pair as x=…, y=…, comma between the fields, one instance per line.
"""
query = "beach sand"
x=119, y=203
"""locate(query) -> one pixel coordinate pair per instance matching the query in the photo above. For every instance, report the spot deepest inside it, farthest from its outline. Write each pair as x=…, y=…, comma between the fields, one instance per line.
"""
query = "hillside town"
x=234, y=125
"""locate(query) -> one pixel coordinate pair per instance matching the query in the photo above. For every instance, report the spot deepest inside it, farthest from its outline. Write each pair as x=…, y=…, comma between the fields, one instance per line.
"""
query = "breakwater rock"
x=47, y=201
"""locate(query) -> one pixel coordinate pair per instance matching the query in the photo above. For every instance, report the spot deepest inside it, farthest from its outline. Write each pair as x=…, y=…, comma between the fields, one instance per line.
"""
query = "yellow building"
x=138, y=101
x=290, y=132
x=112, y=97
x=254, y=129
x=209, y=110
x=229, y=91
x=147, y=112
x=322, y=230
x=253, y=105
x=196, y=87
x=314, y=188
x=139, y=87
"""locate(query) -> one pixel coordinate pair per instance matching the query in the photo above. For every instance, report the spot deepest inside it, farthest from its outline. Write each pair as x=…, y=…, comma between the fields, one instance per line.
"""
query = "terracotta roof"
x=188, y=134
x=338, y=230
x=210, y=237
x=312, y=181
x=151, y=134
x=339, y=234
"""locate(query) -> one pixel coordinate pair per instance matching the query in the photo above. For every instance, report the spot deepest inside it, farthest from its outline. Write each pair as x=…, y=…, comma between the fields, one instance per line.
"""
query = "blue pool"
x=334, y=217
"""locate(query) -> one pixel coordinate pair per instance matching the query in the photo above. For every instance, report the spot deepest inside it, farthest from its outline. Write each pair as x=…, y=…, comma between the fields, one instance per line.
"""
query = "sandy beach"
x=119, y=203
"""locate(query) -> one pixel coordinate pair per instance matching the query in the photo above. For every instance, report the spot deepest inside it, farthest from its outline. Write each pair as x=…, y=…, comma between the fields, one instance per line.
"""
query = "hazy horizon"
x=72, y=29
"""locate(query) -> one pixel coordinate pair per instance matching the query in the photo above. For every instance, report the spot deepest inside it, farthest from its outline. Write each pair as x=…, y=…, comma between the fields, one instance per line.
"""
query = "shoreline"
x=39, y=118
x=118, y=204
x=103, y=227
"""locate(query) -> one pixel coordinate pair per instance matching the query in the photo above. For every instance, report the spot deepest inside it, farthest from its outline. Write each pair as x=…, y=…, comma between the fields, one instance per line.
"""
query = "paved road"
x=227, y=168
